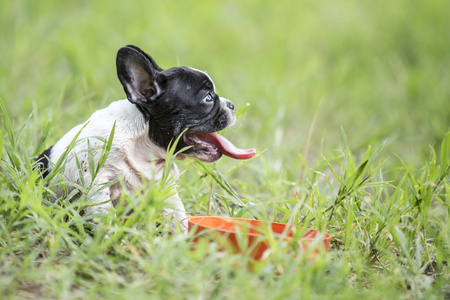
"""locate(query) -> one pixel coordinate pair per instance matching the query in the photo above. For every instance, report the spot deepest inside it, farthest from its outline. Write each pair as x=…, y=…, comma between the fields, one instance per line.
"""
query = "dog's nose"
x=230, y=105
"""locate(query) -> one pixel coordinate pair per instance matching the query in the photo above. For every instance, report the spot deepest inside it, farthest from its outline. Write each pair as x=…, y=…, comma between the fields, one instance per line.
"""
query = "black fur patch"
x=43, y=162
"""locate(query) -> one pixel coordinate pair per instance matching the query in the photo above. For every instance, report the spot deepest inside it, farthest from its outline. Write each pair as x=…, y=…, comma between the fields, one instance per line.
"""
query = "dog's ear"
x=138, y=73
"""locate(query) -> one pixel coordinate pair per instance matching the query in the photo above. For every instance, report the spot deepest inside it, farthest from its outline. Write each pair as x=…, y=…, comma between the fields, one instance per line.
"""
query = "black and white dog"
x=161, y=105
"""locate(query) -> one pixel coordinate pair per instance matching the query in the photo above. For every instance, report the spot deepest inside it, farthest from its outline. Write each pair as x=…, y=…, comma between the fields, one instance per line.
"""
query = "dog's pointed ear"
x=138, y=73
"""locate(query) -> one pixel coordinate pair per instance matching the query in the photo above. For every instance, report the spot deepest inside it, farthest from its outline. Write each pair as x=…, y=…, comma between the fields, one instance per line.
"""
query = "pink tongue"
x=225, y=146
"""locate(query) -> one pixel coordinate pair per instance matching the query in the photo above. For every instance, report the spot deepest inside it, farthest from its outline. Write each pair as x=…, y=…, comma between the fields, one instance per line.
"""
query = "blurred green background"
x=377, y=69
x=381, y=68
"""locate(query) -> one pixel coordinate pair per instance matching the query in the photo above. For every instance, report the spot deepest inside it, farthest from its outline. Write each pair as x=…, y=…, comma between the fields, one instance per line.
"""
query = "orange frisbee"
x=252, y=236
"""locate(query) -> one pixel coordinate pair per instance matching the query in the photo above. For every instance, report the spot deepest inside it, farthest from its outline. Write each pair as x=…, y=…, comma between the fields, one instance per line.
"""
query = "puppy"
x=160, y=106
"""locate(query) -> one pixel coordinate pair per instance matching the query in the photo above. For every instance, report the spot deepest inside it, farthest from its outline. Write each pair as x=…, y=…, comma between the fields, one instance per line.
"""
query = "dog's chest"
x=140, y=159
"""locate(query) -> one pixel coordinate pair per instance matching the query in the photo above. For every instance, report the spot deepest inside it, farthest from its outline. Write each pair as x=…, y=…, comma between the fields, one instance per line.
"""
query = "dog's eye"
x=208, y=98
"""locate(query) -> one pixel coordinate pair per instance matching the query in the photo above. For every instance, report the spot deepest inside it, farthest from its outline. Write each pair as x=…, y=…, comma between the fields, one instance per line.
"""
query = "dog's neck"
x=144, y=148
x=156, y=134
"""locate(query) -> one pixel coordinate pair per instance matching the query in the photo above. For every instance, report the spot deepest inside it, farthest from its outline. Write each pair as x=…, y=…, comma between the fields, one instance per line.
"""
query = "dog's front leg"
x=176, y=210
x=100, y=200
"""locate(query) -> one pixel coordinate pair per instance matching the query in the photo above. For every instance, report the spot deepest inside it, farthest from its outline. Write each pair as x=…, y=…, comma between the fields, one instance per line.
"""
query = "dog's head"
x=177, y=99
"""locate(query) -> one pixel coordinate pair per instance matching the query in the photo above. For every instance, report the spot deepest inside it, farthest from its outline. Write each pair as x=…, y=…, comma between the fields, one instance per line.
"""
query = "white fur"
x=133, y=156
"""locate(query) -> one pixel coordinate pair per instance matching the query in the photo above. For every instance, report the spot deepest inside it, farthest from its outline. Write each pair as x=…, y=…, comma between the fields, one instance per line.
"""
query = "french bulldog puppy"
x=160, y=105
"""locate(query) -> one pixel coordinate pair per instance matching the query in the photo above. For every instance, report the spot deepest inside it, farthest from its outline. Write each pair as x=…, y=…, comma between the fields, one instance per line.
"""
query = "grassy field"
x=347, y=104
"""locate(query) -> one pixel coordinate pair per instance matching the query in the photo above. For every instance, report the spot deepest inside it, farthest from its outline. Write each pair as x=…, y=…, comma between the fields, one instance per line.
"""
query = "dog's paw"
x=174, y=222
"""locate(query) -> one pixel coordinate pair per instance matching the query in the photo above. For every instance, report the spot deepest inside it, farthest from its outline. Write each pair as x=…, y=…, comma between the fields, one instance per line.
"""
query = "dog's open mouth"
x=214, y=144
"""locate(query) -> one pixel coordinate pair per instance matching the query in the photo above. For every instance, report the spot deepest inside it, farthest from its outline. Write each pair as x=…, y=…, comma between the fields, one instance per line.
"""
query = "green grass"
x=349, y=112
